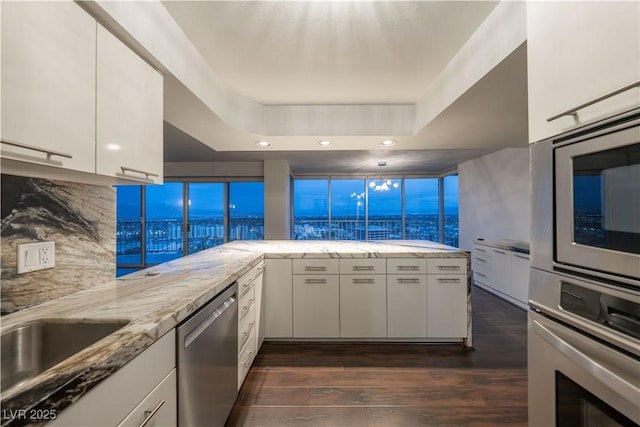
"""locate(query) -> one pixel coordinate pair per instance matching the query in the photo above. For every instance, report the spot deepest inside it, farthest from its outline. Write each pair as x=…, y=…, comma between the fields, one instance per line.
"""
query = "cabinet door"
x=278, y=298
x=520, y=276
x=48, y=83
x=161, y=406
x=129, y=113
x=316, y=306
x=363, y=306
x=501, y=270
x=578, y=51
x=407, y=306
x=447, y=306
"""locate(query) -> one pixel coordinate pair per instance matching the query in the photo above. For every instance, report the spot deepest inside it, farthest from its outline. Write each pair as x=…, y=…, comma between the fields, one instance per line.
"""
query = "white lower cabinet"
x=316, y=306
x=447, y=306
x=520, y=264
x=407, y=306
x=363, y=306
x=501, y=270
x=159, y=407
x=137, y=387
x=278, y=298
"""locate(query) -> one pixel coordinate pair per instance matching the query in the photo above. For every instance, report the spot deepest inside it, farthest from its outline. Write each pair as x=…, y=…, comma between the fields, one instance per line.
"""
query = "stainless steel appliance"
x=207, y=357
x=584, y=292
x=586, y=201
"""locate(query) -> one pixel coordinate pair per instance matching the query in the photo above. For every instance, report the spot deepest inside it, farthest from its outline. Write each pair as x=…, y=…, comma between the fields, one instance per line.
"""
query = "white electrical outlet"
x=36, y=256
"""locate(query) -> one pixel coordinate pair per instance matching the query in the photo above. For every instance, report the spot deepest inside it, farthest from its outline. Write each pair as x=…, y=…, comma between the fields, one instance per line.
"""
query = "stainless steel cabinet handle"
x=521, y=257
x=574, y=111
x=448, y=280
x=315, y=281
x=46, y=151
x=448, y=267
x=150, y=414
x=315, y=268
x=481, y=275
x=481, y=250
x=408, y=267
x=499, y=252
x=363, y=268
x=145, y=173
x=481, y=259
x=246, y=307
x=363, y=280
x=408, y=280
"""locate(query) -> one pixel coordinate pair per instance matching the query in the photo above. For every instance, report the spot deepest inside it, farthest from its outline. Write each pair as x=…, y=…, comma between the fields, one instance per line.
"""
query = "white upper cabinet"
x=129, y=113
x=578, y=52
x=48, y=84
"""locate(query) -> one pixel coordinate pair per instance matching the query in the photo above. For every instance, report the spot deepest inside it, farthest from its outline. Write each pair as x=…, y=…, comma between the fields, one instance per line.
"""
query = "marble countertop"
x=156, y=300
x=506, y=244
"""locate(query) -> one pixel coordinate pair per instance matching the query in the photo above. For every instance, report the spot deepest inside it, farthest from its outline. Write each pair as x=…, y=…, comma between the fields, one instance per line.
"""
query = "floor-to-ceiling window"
x=152, y=220
x=376, y=208
x=311, y=209
x=422, y=219
x=348, y=209
x=450, y=210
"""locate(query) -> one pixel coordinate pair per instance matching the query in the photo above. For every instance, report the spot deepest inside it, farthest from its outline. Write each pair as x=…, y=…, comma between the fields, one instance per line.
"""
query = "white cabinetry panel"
x=520, y=264
x=48, y=83
x=278, y=298
x=407, y=306
x=363, y=306
x=316, y=306
x=447, y=306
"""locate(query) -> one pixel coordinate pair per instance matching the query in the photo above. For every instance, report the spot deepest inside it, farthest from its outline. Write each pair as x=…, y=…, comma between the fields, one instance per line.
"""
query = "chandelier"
x=382, y=185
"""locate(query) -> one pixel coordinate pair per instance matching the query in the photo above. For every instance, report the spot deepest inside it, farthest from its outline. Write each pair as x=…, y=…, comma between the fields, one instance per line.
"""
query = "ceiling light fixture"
x=388, y=142
x=325, y=142
x=263, y=143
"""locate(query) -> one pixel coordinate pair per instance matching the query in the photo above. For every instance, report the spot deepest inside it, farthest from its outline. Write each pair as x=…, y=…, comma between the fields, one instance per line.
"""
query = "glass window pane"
x=421, y=209
x=246, y=211
x=451, y=210
x=385, y=209
x=348, y=204
x=128, y=225
x=206, y=216
x=164, y=212
x=311, y=209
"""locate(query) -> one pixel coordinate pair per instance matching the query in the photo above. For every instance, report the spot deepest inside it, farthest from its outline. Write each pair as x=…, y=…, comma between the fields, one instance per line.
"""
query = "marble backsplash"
x=80, y=218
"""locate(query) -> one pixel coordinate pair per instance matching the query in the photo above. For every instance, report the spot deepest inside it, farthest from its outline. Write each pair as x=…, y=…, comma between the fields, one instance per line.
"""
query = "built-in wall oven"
x=584, y=292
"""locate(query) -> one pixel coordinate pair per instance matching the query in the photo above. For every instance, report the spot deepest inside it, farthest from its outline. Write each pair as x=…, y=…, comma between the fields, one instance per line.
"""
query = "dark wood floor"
x=393, y=385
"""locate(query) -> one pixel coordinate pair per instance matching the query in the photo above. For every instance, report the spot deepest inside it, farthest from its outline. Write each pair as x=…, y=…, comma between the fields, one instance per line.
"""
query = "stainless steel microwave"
x=586, y=201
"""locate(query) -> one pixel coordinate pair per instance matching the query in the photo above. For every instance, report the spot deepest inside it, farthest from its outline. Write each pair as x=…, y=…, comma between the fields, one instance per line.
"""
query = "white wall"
x=277, y=200
x=213, y=169
x=495, y=200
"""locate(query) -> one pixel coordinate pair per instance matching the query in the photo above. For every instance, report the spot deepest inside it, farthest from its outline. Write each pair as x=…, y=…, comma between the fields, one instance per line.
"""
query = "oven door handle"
x=613, y=380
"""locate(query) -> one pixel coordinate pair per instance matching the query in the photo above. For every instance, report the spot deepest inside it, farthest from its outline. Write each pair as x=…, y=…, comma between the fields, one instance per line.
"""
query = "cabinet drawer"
x=245, y=282
x=481, y=249
x=482, y=274
x=315, y=266
x=406, y=266
x=246, y=326
x=446, y=265
x=245, y=303
x=160, y=406
x=363, y=266
x=245, y=359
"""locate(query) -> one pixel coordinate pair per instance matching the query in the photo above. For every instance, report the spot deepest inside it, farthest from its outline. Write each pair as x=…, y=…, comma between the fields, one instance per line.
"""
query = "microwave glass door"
x=597, y=203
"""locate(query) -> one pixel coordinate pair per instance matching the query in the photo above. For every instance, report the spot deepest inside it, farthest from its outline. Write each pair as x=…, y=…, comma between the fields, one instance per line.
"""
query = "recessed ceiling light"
x=325, y=142
x=263, y=143
x=388, y=142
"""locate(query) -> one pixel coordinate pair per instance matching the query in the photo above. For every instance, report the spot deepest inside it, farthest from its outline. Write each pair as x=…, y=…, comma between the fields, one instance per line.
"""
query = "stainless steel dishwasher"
x=207, y=350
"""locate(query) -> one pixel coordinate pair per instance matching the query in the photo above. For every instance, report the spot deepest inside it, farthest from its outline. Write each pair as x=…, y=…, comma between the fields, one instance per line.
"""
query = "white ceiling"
x=316, y=53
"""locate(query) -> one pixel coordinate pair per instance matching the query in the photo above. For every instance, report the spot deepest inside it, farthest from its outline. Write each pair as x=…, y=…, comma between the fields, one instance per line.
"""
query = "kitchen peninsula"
x=349, y=275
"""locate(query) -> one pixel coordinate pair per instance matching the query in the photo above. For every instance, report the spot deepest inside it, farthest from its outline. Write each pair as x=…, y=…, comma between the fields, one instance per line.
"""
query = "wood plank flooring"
x=394, y=385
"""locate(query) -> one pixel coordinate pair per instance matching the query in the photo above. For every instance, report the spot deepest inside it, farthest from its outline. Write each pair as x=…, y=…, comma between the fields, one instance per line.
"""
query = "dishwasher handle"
x=207, y=321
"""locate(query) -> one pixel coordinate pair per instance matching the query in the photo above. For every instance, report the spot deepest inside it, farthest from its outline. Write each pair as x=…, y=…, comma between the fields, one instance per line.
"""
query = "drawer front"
x=315, y=266
x=161, y=405
x=406, y=266
x=245, y=282
x=245, y=359
x=482, y=250
x=245, y=303
x=482, y=274
x=446, y=266
x=363, y=266
x=479, y=258
x=246, y=326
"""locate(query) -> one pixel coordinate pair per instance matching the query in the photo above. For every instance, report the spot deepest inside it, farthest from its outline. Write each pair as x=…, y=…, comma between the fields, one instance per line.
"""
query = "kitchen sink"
x=33, y=348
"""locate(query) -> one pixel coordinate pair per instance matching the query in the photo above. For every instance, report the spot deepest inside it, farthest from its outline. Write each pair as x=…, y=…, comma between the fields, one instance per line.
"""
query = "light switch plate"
x=36, y=256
